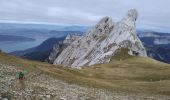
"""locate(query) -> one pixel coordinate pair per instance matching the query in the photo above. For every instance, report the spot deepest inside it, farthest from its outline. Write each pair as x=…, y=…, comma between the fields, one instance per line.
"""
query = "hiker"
x=21, y=75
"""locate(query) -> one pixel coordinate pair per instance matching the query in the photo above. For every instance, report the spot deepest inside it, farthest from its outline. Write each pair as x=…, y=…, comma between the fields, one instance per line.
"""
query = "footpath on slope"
x=41, y=86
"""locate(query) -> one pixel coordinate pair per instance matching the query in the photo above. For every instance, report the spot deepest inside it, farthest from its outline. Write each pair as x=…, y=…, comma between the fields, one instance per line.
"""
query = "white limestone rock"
x=100, y=43
x=71, y=37
x=53, y=55
x=58, y=48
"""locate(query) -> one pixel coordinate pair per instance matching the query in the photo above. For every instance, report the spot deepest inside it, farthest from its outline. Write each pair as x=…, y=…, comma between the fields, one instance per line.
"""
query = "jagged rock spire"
x=132, y=14
x=102, y=42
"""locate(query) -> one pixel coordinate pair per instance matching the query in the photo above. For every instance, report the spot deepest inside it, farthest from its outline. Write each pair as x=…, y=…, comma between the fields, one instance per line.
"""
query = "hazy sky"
x=153, y=14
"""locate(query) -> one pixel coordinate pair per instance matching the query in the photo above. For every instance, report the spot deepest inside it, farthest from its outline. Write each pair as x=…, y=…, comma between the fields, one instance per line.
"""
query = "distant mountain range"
x=14, y=38
x=157, y=45
x=9, y=26
x=155, y=38
x=39, y=30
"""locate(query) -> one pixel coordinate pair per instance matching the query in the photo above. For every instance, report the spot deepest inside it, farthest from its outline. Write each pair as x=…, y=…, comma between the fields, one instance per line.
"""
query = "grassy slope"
x=135, y=74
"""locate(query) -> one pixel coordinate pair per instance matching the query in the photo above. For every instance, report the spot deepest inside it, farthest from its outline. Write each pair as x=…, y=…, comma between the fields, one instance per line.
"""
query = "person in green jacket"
x=21, y=75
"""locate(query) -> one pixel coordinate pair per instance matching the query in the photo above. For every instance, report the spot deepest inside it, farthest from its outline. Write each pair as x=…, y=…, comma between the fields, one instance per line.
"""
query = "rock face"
x=58, y=48
x=71, y=37
x=100, y=43
x=55, y=52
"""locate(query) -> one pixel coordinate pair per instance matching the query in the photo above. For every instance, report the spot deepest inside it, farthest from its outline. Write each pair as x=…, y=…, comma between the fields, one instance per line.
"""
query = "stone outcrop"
x=100, y=43
x=55, y=52
x=71, y=37
x=58, y=48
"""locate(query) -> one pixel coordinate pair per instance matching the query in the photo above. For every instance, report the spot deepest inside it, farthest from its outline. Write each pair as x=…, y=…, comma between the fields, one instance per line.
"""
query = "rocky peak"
x=71, y=37
x=102, y=42
x=105, y=20
x=132, y=14
x=58, y=48
x=104, y=27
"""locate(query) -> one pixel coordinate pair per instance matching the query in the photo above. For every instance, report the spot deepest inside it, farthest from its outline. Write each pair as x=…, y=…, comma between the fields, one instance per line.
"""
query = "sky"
x=153, y=14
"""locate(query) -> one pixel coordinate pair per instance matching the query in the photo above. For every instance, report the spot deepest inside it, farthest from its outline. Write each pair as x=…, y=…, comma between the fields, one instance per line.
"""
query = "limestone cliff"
x=100, y=43
x=59, y=47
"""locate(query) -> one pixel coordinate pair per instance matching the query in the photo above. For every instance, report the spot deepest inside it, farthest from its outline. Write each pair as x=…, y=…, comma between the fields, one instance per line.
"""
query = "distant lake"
x=14, y=46
x=39, y=32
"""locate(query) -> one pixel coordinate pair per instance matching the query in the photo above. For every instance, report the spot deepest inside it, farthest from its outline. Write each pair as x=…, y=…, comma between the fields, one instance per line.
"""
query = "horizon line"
x=39, y=23
x=156, y=29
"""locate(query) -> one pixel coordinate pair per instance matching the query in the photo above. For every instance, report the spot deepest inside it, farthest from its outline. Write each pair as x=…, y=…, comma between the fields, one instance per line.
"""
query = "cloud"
x=154, y=13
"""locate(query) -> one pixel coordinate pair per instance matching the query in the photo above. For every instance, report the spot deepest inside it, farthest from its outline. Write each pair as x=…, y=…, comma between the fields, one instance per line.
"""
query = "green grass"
x=121, y=54
x=133, y=74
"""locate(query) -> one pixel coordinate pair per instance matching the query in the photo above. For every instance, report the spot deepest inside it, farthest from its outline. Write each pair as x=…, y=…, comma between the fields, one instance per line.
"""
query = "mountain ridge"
x=13, y=38
x=99, y=44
